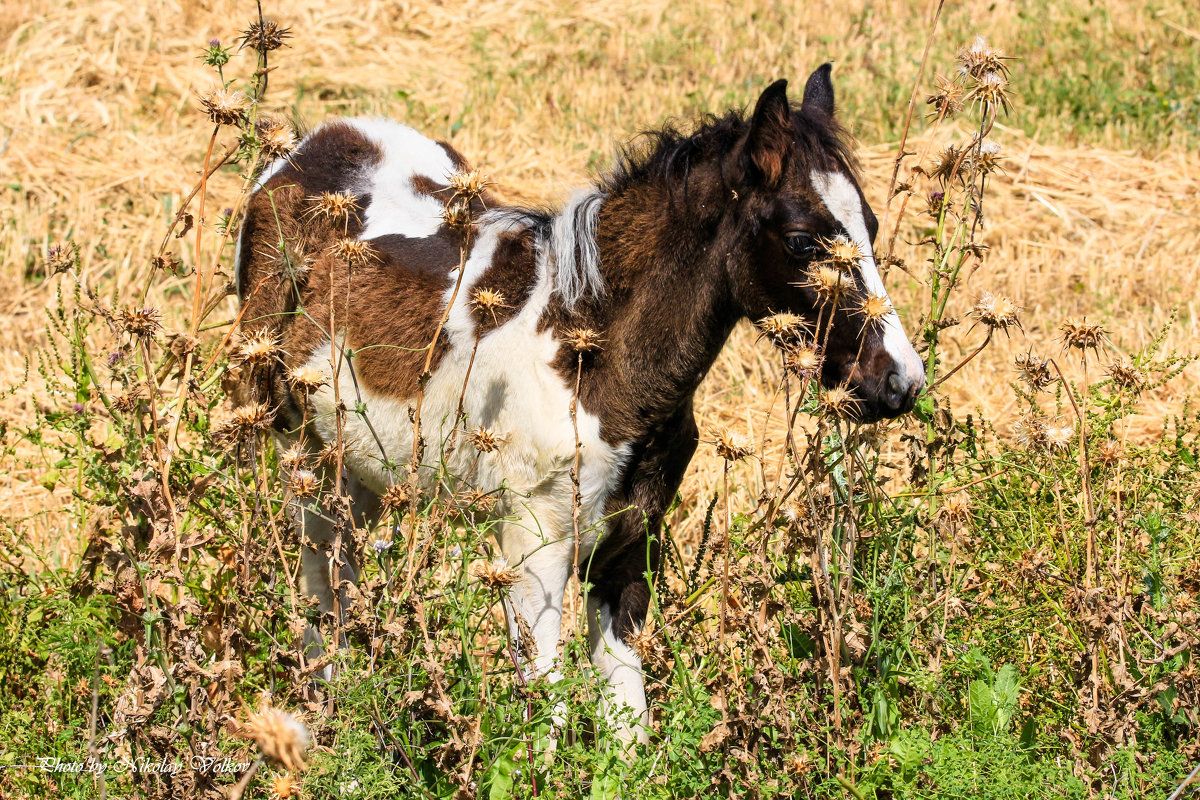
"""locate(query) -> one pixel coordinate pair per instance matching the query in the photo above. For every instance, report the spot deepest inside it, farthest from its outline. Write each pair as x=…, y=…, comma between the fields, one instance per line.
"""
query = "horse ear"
x=818, y=92
x=770, y=138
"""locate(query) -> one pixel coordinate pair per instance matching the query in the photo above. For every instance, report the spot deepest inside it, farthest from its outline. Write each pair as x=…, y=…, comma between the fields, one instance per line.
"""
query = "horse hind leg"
x=623, y=694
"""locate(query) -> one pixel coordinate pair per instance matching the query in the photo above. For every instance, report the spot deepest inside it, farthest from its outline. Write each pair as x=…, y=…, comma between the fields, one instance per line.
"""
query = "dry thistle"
x=1111, y=452
x=1059, y=434
x=130, y=399
x=304, y=483
x=293, y=457
x=987, y=158
x=488, y=300
x=997, y=311
x=782, y=329
x=354, y=252
x=140, y=322
x=947, y=101
x=839, y=402
x=873, y=308
x=979, y=60
x=645, y=644
x=991, y=94
x=225, y=106
x=495, y=574
x=306, y=377
x=1082, y=336
x=583, y=340
x=484, y=440
x=1034, y=371
x=1030, y=432
x=395, y=498
x=947, y=165
x=830, y=283
x=804, y=361
x=457, y=215
x=284, y=787
x=334, y=206
x=730, y=446
x=264, y=35
x=275, y=139
x=468, y=185
x=955, y=509
x=1126, y=374
x=258, y=347
x=61, y=258
x=843, y=252
x=281, y=737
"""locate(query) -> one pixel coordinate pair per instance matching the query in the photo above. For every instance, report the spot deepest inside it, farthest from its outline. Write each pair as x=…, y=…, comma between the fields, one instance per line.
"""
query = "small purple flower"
x=115, y=357
x=214, y=43
x=936, y=197
x=380, y=545
x=77, y=408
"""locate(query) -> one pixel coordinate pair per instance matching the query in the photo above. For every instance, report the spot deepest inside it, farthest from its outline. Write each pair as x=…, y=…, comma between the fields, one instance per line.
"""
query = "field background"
x=1095, y=213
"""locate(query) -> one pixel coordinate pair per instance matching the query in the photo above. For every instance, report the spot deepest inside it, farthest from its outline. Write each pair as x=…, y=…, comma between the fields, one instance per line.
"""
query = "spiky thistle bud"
x=303, y=483
x=948, y=164
x=991, y=93
x=1079, y=334
x=978, y=59
x=997, y=312
x=140, y=322
x=829, y=282
x=783, y=329
x=264, y=35
x=1034, y=371
x=1030, y=432
x=844, y=253
x=225, y=106
x=496, y=574
x=353, y=252
x=293, y=457
x=955, y=508
x=457, y=215
x=803, y=361
x=1110, y=452
x=281, y=737
x=488, y=301
x=307, y=377
x=284, y=787
x=1126, y=374
x=469, y=184
x=275, y=138
x=730, y=446
x=61, y=257
x=333, y=206
x=873, y=308
x=1060, y=433
x=947, y=100
x=839, y=401
x=257, y=347
x=484, y=440
x=395, y=498
x=583, y=340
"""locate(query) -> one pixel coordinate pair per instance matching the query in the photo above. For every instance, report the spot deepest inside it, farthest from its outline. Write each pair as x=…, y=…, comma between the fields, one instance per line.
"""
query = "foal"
x=661, y=257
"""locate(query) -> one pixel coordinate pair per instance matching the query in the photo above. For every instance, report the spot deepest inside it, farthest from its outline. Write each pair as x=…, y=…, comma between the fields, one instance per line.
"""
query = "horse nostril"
x=893, y=384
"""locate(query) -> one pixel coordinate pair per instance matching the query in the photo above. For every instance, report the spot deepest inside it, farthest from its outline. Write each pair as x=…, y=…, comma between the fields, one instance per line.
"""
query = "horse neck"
x=668, y=310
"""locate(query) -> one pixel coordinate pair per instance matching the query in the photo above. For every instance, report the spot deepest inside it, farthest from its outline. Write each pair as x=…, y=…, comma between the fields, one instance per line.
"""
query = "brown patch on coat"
x=456, y=158
x=422, y=184
x=513, y=273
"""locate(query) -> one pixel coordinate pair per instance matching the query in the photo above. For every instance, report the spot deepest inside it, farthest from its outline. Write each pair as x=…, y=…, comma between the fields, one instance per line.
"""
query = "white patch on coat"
x=395, y=207
x=573, y=243
x=845, y=204
x=621, y=667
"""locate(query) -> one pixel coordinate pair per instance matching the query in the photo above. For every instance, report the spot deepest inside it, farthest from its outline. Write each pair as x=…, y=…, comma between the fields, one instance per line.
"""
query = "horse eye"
x=800, y=245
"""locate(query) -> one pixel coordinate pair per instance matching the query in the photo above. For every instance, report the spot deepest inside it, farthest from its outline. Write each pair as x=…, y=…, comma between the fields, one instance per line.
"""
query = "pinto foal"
x=663, y=256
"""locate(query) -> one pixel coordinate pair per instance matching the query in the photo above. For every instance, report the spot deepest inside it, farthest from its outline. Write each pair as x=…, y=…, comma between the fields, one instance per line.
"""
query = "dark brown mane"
x=667, y=155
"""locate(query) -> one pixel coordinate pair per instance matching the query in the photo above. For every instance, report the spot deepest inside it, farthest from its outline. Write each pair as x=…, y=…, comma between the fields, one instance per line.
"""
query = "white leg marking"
x=621, y=667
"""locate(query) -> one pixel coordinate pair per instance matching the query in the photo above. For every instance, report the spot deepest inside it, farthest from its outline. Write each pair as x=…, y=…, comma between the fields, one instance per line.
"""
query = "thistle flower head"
x=803, y=361
x=1079, y=334
x=140, y=322
x=843, y=251
x=645, y=644
x=276, y=139
x=353, y=252
x=955, y=508
x=829, y=282
x=306, y=377
x=281, y=737
x=488, y=300
x=839, y=401
x=583, y=340
x=873, y=308
x=991, y=94
x=284, y=787
x=730, y=446
x=783, y=328
x=468, y=184
x=333, y=206
x=1111, y=452
x=997, y=311
x=457, y=215
x=496, y=575
x=947, y=100
x=303, y=483
x=225, y=106
x=978, y=59
x=947, y=165
x=257, y=347
x=61, y=257
x=1126, y=374
x=485, y=440
x=1034, y=371
x=987, y=158
x=293, y=457
x=264, y=35
x=1030, y=432
x=1059, y=434
x=394, y=498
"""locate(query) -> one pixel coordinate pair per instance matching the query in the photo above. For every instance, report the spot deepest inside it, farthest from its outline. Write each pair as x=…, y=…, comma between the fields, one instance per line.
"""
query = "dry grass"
x=100, y=137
